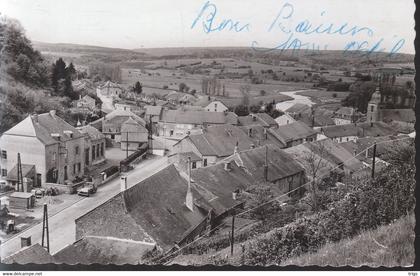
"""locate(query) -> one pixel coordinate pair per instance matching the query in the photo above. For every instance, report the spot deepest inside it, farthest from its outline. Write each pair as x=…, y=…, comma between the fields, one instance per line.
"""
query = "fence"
x=66, y=188
x=134, y=158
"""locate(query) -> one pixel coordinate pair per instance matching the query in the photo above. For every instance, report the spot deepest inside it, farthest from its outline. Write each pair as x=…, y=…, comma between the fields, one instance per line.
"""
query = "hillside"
x=390, y=245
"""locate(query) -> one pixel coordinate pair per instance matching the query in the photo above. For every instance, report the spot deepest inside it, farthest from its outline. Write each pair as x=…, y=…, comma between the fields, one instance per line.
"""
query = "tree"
x=245, y=89
x=241, y=110
x=71, y=71
x=138, y=88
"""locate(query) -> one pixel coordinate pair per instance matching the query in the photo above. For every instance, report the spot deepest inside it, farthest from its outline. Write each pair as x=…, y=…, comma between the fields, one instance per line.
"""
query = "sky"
x=166, y=23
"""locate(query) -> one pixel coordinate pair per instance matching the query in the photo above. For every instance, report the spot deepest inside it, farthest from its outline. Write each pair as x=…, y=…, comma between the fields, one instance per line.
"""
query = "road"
x=107, y=105
x=62, y=228
x=282, y=106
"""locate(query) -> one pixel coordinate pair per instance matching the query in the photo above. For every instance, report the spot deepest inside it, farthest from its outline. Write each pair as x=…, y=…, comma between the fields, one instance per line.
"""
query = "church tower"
x=373, y=106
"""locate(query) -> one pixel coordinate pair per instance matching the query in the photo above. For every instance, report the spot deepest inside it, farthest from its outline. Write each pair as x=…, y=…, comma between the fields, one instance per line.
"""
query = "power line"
x=278, y=197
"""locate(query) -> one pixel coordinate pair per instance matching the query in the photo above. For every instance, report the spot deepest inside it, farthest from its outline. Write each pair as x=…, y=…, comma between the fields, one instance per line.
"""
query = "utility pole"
x=19, y=174
x=266, y=165
x=45, y=229
x=126, y=142
x=373, y=161
x=232, y=238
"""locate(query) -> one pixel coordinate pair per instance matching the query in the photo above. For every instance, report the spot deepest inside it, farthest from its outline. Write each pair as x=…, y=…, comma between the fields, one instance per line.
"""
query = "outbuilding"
x=21, y=200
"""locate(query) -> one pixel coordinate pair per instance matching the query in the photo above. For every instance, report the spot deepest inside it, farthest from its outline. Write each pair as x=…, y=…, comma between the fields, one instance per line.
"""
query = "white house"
x=284, y=119
x=216, y=106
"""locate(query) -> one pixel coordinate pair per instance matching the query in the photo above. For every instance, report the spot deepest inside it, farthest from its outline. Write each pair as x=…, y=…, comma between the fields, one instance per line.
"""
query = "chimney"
x=227, y=166
x=52, y=113
x=57, y=136
x=123, y=183
x=25, y=241
x=250, y=132
x=252, y=146
x=189, y=201
x=35, y=117
x=69, y=133
x=234, y=194
x=265, y=133
x=266, y=164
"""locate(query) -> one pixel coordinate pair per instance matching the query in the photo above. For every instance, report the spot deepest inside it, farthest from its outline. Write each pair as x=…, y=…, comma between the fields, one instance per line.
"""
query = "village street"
x=62, y=225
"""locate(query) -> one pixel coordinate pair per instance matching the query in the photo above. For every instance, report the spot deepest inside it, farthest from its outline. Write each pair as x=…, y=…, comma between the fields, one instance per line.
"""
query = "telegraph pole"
x=45, y=230
x=19, y=174
x=373, y=161
x=232, y=238
x=126, y=142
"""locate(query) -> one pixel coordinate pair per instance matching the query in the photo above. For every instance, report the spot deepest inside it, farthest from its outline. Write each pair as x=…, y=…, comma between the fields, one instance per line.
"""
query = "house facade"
x=284, y=119
x=94, y=148
x=110, y=89
x=47, y=142
x=216, y=106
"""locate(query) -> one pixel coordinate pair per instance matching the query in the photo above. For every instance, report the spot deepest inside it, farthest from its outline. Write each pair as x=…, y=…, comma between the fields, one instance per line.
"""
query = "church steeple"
x=373, y=110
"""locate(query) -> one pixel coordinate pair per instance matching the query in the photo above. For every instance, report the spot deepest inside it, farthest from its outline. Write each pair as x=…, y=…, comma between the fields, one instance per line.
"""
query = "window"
x=54, y=157
x=205, y=162
x=3, y=172
x=112, y=136
x=4, y=154
x=371, y=108
x=74, y=168
x=76, y=149
x=102, y=149
x=93, y=152
x=194, y=165
x=79, y=167
x=97, y=150
x=171, y=133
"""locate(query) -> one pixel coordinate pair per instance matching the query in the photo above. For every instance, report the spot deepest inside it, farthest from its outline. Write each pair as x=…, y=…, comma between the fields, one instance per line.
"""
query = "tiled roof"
x=231, y=118
x=280, y=164
x=42, y=126
x=345, y=111
x=402, y=115
x=110, y=84
x=293, y=131
x=119, y=116
x=26, y=169
x=193, y=117
x=298, y=108
x=153, y=110
x=157, y=204
x=219, y=184
x=103, y=250
x=257, y=134
x=35, y=254
x=335, y=153
x=130, y=125
x=93, y=133
x=221, y=140
x=192, y=155
x=266, y=119
x=322, y=117
x=360, y=130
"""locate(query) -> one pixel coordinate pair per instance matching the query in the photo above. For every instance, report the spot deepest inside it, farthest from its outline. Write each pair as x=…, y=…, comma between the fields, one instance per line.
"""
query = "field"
x=324, y=97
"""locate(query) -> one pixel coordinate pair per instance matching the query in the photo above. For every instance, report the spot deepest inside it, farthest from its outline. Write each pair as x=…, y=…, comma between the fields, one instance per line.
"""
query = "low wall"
x=100, y=181
x=68, y=189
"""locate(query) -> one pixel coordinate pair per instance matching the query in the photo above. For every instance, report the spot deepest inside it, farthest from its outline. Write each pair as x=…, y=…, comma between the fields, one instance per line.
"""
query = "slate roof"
x=103, y=250
x=193, y=117
x=92, y=132
x=220, y=140
x=216, y=184
x=42, y=126
x=231, y=118
x=280, y=164
x=292, y=131
x=35, y=254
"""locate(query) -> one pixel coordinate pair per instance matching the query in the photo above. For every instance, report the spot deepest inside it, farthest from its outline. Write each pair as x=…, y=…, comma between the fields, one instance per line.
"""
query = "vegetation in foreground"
x=389, y=245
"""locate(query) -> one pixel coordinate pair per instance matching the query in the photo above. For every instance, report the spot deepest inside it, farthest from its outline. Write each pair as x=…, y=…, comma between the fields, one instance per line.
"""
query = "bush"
x=366, y=206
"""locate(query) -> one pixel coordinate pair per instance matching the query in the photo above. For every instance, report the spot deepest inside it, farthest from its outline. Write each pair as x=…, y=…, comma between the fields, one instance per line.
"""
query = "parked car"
x=38, y=193
x=87, y=191
x=84, y=192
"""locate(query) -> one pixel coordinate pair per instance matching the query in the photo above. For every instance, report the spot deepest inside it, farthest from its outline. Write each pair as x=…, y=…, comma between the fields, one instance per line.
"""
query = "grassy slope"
x=390, y=245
